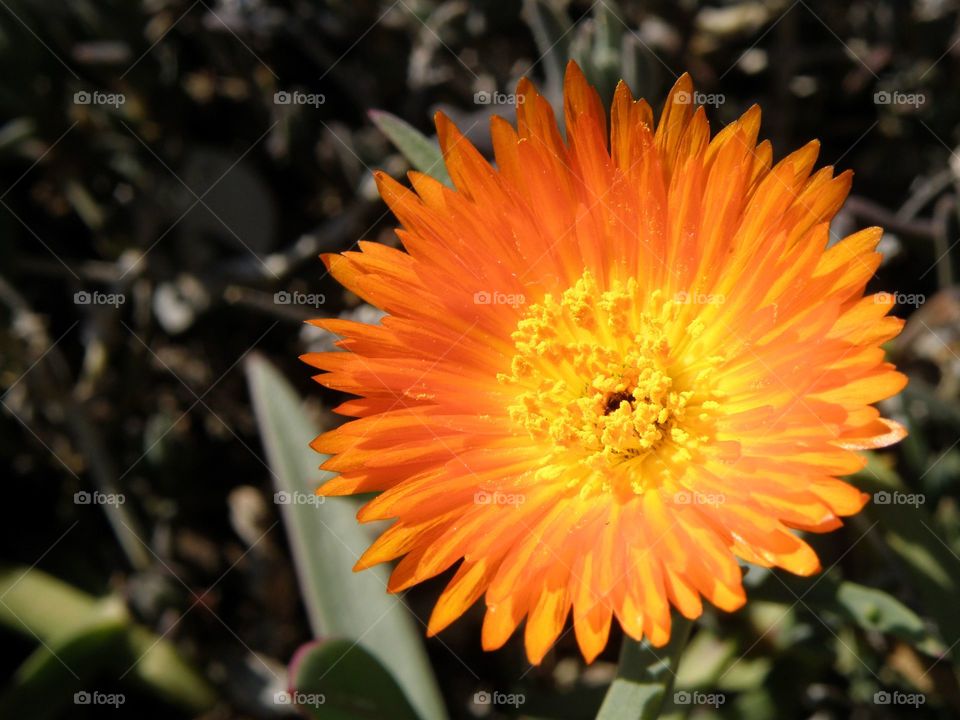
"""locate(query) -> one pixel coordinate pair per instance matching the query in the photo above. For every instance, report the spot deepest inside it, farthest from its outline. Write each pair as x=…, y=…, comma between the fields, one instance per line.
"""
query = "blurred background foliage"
x=200, y=197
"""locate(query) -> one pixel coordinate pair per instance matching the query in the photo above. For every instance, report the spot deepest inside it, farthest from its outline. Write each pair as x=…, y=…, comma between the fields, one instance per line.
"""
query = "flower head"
x=610, y=367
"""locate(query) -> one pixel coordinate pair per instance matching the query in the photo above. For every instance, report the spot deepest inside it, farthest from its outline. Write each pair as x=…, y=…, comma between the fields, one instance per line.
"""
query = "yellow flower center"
x=598, y=378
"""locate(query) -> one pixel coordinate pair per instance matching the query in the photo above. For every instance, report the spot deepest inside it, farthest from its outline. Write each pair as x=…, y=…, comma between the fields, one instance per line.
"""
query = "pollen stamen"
x=594, y=374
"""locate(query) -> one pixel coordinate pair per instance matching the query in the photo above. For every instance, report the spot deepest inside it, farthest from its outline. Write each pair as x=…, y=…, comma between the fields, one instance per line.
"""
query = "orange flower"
x=608, y=369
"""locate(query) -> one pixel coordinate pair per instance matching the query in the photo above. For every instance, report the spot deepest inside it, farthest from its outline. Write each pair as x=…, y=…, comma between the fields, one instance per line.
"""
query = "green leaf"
x=711, y=663
x=339, y=680
x=159, y=666
x=838, y=602
x=874, y=609
x=42, y=605
x=70, y=622
x=928, y=563
x=422, y=152
x=326, y=542
x=44, y=685
x=645, y=676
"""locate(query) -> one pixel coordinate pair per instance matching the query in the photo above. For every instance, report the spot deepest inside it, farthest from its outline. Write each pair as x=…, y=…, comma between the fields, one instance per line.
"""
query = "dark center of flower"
x=614, y=399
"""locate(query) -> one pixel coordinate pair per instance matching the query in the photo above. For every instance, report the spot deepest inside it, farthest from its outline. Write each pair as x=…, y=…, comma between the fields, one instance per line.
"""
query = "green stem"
x=645, y=676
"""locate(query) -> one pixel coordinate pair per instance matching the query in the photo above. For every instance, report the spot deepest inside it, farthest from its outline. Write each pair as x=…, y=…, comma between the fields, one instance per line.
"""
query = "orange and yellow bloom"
x=611, y=366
